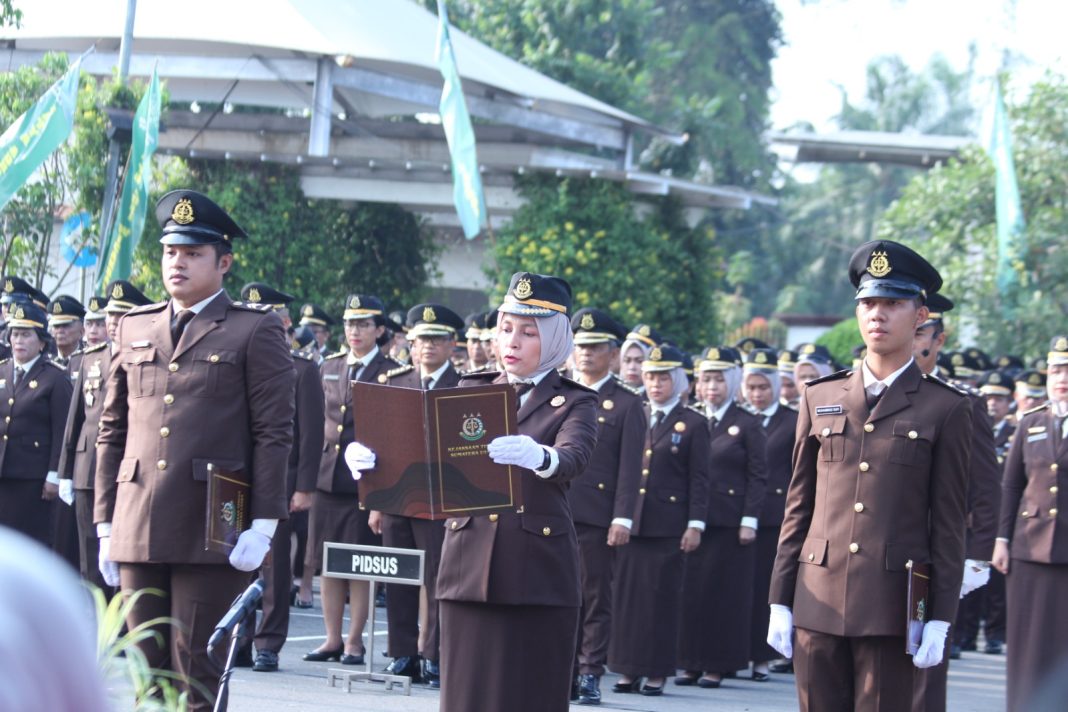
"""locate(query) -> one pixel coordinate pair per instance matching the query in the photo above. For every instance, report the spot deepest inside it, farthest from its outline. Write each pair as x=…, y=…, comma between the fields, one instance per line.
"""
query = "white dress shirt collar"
x=198, y=307
x=435, y=376
x=873, y=385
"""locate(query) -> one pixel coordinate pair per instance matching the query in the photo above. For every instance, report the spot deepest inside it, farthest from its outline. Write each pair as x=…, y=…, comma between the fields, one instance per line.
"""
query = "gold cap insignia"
x=1034, y=379
x=557, y=401
x=354, y=303
x=808, y=349
x=183, y=212
x=308, y=310
x=523, y=289
x=957, y=360
x=94, y=304
x=655, y=354
x=608, y=404
x=428, y=314
x=116, y=291
x=879, y=265
x=643, y=330
x=995, y=378
x=1062, y=344
x=57, y=308
x=680, y=427
x=713, y=354
x=761, y=357
x=9, y=286
x=733, y=430
x=254, y=295
x=19, y=313
x=587, y=321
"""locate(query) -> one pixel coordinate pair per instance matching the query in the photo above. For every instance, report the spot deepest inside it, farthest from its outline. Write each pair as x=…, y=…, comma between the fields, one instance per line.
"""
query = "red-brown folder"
x=919, y=576
x=227, y=509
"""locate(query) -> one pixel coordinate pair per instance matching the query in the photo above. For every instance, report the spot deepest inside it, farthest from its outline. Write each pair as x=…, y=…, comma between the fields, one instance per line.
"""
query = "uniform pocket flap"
x=200, y=467
x=814, y=551
x=729, y=489
x=824, y=426
x=671, y=496
x=145, y=355
x=455, y=524
x=897, y=555
x=215, y=355
x=127, y=470
x=545, y=524
x=912, y=430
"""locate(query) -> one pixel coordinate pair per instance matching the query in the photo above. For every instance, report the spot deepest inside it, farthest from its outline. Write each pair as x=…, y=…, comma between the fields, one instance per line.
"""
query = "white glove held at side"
x=66, y=491
x=249, y=551
x=359, y=458
x=933, y=644
x=108, y=568
x=781, y=630
x=976, y=574
x=518, y=450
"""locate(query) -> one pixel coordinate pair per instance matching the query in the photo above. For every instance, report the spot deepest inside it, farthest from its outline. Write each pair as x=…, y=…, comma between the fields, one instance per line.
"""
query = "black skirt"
x=1037, y=626
x=336, y=518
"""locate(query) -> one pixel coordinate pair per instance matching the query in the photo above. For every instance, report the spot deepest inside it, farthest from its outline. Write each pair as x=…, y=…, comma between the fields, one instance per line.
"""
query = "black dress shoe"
x=350, y=659
x=992, y=647
x=408, y=666
x=243, y=657
x=432, y=674
x=708, y=684
x=623, y=687
x=690, y=678
x=322, y=656
x=650, y=691
x=266, y=661
x=785, y=666
x=954, y=652
x=589, y=690
x=761, y=676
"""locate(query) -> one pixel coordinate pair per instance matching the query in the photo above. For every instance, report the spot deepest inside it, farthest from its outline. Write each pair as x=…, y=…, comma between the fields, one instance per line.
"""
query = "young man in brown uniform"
x=194, y=381
x=880, y=478
x=602, y=498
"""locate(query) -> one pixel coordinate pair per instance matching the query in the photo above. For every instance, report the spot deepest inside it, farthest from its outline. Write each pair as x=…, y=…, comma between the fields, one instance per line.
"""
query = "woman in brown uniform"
x=508, y=583
x=1032, y=544
x=34, y=398
x=717, y=592
x=761, y=382
x=669, y=517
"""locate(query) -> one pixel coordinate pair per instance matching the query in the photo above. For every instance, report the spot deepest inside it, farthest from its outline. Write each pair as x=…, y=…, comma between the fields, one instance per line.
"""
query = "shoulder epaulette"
x=339, y=354
x=837, y=375
x=789, y=406
x=626, y=386
x=91, y=349
x=698, y=409
x=399, y=371
x=2, y=362
x=53, y=364
x=1026, y=412
x=147, y=308
x=297, y=353
x=573, y=382
x=964, y=387
x=252, y=307
x=948, y=386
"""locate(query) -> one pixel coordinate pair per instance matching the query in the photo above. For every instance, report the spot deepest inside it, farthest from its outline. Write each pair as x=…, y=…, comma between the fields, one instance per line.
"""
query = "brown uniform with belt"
x=224, y=395
x=607, y=490
x=870, y=491
x=508, y=583
x=77, y=462
x=402, y=602
x=336, y=514
x=1037, y=528
x=33, y=413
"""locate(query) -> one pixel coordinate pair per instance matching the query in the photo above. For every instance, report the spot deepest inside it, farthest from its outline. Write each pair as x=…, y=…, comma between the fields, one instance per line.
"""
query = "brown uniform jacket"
x=334, y=475
x=869, y=492
x=528, y=557
x=1036, y=470
x=984, y=484
x=89, y=369
x=223, y=395
x=32, y=417
x=737, y=467
x=307, y=450
x=408, y=376
x=675, y=480
x=781, y=430
x=608, y=488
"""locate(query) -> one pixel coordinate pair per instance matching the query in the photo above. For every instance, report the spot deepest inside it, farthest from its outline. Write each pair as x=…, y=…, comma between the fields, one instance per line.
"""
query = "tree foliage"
x=948, y=215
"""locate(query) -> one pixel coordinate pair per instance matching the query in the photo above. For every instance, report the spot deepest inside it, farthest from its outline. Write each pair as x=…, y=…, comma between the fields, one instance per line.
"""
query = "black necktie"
x=521, y=388
x=180, y=322
x=427, y=381
x=18, y=374
x=657, y=415
x=873, y=399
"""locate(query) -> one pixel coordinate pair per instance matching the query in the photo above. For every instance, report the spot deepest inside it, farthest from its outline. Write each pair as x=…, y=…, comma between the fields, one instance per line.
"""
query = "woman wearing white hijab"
x=508, y=583
x=635, y=350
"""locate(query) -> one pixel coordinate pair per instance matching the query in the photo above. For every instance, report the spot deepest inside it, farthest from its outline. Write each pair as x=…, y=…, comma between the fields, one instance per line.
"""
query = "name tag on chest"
x=331, y=377
x=828, y=410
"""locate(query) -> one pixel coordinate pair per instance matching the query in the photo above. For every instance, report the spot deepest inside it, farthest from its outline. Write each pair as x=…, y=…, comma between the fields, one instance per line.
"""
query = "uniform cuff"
x=624, y=522
x=103, y=529
x=554, y=462
x=1002, y=538
x=696, y=524
x=750, y=522
x=52, y=477
x=265, y=527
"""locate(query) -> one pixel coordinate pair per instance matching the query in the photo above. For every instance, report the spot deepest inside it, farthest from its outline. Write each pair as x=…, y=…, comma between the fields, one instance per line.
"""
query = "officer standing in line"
x=880, y=478
x=196, y=382
x=789, y=395
x=17, y=290
x=96, y=331
x=432, y=329
x=301, y=471
x=315, y=318
x=65, y=314
x=602, y=498
x=1030, y=391
x=477, y=357
x=77, y=463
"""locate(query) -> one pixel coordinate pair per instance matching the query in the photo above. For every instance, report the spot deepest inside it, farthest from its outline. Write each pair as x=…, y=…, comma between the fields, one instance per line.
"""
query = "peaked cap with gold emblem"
x=645, y=334
x=1058, y=351
x=260, y=293
x=94, y=310
x=593, y=326
x=433, y=320
x=787, y=361
x=16, y=289
x=719, y=358
x=123, y=296
x=749, y=343
x=191, y=218
x=761, y=360
x=938, y=305
x=537, y=295
x=663, y=358
x=65, y=309
x=884, y=269
x=1032, y=383
x=997, y=383
x=364, y=306
x=315, y=315
x=26, y=315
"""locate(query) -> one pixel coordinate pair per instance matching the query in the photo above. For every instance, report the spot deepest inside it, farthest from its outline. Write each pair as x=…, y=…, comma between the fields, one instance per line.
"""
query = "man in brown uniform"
x=602, y=498
x=432, y=329
x=194, y=381
x=89, y=369
x=880, y=478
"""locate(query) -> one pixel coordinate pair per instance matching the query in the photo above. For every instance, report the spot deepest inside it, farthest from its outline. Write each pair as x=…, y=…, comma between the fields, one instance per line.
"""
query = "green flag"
x=466, y=181
x=1010, y=218
x=116, y=258
x=33, y=137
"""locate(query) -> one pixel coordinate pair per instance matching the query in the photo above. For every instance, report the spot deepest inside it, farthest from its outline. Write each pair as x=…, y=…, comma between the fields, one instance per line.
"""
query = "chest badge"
x=733, y=430
x=680, y=427
x=557, y=401
x=33, y=384
x=608, y=404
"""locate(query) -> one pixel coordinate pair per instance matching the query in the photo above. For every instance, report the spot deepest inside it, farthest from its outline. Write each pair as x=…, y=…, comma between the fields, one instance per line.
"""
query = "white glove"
x=518, y=450
x=66, y=491
x=933, y=645
x=359, y=458
x=781, y=630
x=249, y=551
x=976, y=573
x=108, y=568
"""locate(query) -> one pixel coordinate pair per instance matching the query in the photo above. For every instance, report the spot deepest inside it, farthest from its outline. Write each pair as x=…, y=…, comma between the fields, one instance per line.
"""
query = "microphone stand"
x=237, y=633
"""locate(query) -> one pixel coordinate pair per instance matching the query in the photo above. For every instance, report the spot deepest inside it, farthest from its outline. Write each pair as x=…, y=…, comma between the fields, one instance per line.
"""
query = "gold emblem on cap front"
x=761, y=357
x=643, y=330
x=428, y=314
x=523, y=289
x=253, y=295
x=183, y=212
x=995, y=378
x=713, y=354
x=957, y=360
x=1034, y=380
x=1062, y=344
x=9, y=286
x=655, y=354
x=879, y=265
x=587, y=321
x=57, y=308
x=308, y=310
x=354, y=303
x=19, y=313
x=116, y=291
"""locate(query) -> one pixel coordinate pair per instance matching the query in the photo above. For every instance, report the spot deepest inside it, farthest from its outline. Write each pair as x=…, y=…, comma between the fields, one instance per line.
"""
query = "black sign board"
x=373, y=563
